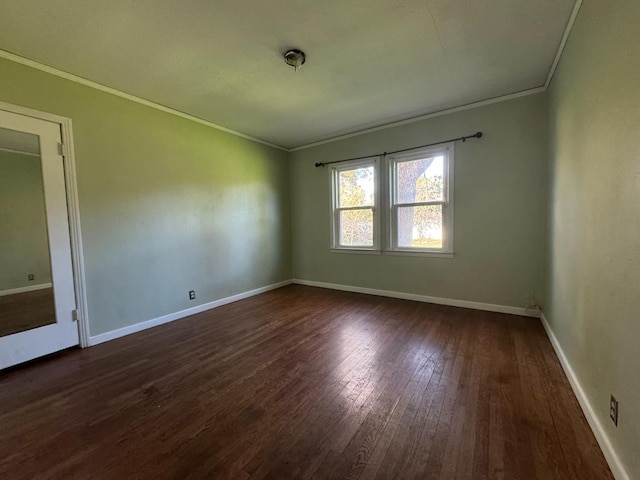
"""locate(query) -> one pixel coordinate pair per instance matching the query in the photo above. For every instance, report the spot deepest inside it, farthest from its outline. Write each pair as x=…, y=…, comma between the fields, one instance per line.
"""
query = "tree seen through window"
x=420, y=181
x=356, y=201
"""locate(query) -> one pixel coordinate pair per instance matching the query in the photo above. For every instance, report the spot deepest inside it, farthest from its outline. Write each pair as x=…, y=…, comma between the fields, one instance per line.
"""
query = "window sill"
x=356, y=251
x=408, y=253
x=395, y=253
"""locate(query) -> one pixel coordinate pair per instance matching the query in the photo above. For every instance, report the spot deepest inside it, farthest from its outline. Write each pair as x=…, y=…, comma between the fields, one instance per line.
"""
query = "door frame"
x=73, y=211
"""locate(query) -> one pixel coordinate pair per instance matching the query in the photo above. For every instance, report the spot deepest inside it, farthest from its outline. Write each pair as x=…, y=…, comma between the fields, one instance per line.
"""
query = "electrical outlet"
x=31, y=277
x=613, y=410
x=192, y=294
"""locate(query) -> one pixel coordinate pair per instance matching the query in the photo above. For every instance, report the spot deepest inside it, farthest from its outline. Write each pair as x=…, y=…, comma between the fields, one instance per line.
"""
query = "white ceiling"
x=369, y=62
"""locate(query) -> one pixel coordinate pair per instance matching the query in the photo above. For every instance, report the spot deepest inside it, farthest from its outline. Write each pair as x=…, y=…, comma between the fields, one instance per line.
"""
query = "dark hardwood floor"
x=24, y=311
x=303, y=383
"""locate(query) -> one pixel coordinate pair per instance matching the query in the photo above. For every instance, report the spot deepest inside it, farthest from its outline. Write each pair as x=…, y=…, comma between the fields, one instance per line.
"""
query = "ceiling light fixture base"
x=295, y=58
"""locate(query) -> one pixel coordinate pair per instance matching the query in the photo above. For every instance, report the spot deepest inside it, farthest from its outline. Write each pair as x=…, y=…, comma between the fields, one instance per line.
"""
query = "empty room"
x=368, y=239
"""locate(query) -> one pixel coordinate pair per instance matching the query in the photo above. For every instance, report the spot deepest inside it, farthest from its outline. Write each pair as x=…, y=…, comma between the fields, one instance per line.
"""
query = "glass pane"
x=25, y=268
x=421, y=180
x=356, y=187
x=420, y=227
x=356, y=228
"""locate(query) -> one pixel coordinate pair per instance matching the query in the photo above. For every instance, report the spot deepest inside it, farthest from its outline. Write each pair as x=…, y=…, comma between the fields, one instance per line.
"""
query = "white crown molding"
x=616, y=466
x=98, y=86
x=426, y=116
x=452, y=302
x=89, y=83
x=482, y=103
x=563, y=42
x=138, y=327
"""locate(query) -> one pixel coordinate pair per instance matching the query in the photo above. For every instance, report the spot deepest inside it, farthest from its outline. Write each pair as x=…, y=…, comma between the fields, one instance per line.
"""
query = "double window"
x=417, y=192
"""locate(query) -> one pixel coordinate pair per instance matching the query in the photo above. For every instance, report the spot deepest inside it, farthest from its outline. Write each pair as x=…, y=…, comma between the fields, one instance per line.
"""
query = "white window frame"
x=335, y=210
x=447, y=151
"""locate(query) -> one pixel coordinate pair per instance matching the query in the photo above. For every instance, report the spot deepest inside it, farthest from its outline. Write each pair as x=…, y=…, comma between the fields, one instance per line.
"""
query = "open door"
x=37, y=298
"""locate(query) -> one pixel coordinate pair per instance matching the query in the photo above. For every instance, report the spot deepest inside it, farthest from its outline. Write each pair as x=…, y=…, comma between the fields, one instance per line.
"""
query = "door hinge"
x=74, y=315
x=62, y=151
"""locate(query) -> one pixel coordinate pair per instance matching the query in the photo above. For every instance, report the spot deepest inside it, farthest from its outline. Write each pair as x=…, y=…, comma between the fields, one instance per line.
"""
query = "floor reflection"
x=24, y=311
x=359, y=345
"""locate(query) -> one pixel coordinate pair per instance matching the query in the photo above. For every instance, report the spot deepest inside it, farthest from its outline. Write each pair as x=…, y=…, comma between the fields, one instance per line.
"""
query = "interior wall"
x=500, y=192
x=167, y=205
x=24, y=247
x=593, y=270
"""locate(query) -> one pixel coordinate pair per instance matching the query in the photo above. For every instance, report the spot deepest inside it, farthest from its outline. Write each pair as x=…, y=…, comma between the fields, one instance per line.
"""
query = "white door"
x=37, y=297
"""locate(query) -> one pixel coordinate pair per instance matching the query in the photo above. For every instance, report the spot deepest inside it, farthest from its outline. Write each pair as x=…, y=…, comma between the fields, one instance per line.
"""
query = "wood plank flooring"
x=24, y=311
x=303, y=383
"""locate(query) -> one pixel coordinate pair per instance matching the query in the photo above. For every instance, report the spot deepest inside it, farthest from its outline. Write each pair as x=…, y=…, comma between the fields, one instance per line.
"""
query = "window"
x=421, y=201
x=355, y=213
x=417, y=191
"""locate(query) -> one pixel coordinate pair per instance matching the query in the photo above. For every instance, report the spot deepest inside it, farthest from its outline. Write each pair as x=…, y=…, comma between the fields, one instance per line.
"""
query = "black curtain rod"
x=464, y=139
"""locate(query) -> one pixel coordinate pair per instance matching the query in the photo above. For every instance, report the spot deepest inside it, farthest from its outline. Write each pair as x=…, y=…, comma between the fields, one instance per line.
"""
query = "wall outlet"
x=192, y=294
x=31, y=277
x=613, y=410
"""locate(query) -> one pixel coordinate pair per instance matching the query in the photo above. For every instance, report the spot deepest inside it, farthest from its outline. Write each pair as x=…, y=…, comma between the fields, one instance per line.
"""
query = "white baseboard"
x=121, y=332
x=601, y=436
x=424, y=298
x=30, y=288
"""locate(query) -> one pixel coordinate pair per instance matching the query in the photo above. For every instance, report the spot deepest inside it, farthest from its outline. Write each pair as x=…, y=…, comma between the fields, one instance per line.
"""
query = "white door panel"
x=62, y=332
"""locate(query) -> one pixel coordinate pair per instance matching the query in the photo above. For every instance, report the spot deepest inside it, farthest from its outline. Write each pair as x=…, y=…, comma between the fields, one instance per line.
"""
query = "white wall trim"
x=30, y=112
x=426, y=116
x=73, y=209
x=489, y=307
x=89, y=83
x=610, y=455
x=75, y=231
x=138, y=327
x=563, y=42
x=98, y=86
x=30, y=288
x=489, y=101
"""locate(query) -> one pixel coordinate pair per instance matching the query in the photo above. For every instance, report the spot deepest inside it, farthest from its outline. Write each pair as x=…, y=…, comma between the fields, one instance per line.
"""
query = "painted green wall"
x=24, y=247
x=167, y=205
x=500, y=191
x=593, y=275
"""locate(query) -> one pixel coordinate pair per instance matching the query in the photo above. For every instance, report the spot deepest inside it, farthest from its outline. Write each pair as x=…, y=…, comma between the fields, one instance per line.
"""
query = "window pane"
x=420, y=227
x=421, y=180
x=356, y=228
x=356, y=187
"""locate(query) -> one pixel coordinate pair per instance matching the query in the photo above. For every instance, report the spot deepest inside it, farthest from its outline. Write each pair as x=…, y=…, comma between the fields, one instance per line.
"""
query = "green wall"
x=24, y=247
x=593, y=273
x=500, y=191
x=167, y=204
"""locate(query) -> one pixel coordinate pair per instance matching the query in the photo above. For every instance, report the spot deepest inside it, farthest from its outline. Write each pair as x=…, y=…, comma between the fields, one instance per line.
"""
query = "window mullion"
x=344, y=209
x=421, y=204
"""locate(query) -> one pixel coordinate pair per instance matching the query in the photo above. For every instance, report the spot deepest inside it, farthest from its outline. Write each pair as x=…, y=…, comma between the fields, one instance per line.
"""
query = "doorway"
x=38, y=294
